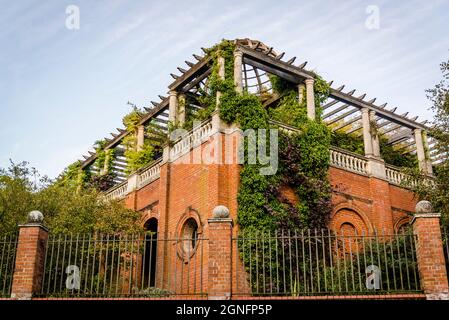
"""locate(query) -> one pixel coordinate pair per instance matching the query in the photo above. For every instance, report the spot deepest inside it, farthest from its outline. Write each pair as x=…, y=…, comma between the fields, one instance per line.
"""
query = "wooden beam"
x=190, y=74
x=117, y=140
x=385, y=114
x=335, y=111
x=341, y=126
x=272, y=65
x=342, y=116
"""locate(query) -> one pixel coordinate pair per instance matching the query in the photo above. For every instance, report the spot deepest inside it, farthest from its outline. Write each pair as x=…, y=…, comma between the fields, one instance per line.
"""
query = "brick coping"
x=405, y=296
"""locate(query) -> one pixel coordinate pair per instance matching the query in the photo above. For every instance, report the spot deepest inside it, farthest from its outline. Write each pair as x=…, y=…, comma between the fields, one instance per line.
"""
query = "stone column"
x=420, y=150
x=430, y=252
x=310, y=99
x=367, y=139
x=301, y=90
x=181, y=113
x=220, y=254
x=172, y=106
x=30, y=256
x=429, y=169
x=374, y=135
x=221, y=75
x=238, y=61
x=140, y=137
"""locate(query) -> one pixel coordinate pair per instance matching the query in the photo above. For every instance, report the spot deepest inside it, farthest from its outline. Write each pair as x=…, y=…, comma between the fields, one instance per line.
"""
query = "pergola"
x=253, y=63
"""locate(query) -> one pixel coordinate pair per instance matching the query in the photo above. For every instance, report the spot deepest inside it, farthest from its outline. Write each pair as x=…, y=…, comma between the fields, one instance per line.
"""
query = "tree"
x=65, y=207
x=438, y=194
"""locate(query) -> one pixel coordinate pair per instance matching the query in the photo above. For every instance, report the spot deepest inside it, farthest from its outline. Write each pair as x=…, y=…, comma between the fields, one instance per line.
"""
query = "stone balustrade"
x=339, y=158
x=117, y=192
x=149, y=174
x=348, y=161
x=192, y=139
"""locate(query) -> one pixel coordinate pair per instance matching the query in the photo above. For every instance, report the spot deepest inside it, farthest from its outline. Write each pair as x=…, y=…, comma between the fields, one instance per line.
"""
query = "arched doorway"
x=150, y=253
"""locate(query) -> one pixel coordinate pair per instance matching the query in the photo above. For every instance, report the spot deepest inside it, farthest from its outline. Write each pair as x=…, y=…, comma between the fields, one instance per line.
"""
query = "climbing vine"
x=298, y=196
x=303, y=157
x=136, y=158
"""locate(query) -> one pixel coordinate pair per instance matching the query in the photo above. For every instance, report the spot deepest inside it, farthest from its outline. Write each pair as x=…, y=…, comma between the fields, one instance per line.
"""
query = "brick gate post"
x=30, y=257
x=430, y=252
x=219, y=265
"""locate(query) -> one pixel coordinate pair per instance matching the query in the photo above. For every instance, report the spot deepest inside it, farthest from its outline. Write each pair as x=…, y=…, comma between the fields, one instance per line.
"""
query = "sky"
x=64, y=85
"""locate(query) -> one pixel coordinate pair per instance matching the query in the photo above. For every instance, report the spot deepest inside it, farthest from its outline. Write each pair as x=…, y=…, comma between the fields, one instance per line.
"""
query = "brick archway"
x=401, y=223
x=349, y=219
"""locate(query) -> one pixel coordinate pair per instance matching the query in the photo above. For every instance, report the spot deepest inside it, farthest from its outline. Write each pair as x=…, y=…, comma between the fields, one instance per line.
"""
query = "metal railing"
x=445, y=238
x=8, y=246
x=321, y=262
x=143, y=265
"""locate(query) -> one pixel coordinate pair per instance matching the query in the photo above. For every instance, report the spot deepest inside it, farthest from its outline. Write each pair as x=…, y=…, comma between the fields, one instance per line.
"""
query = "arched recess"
x=150, y=252
x=347, y=218
x=402, y=224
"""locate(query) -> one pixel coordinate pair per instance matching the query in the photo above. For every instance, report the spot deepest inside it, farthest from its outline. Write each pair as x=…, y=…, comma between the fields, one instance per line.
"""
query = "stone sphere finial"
x=35, y=217
x=220, y=212
x=424, y=206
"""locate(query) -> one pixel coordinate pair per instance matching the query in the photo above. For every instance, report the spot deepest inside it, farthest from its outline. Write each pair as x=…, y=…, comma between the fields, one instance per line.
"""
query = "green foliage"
x=153, y=292
x=308, y=262
x=439, y=96
x=281, y=86
x=65, y=209
x=104, y=157
x=393, y=156
x=348, y=141
x=303, y=157
x=261, y=206
x=136, y=159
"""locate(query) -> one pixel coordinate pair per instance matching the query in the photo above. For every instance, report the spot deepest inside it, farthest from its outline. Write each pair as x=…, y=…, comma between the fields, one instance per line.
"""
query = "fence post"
x=430, y=252
x=219, y=265
x=30, y=257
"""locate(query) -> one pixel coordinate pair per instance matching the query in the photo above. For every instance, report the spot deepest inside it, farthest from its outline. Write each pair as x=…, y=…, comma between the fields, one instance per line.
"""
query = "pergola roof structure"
x=341, y=111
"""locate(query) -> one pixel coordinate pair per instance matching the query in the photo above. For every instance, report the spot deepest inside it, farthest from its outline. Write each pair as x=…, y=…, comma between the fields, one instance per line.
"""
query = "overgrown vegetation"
x=437, y=192
x=303, y=157
x=66, y=210
x=136, y=158
x=392, y=155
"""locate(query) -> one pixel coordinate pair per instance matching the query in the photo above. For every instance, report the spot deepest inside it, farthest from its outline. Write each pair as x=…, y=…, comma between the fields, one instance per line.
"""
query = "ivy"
x=136, y=159
x=263, y=203
x=304, y=157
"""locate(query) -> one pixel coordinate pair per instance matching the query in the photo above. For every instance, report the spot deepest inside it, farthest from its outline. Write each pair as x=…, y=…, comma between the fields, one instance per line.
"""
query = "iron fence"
x=320, y=262
x=8, y=246
x=145, y=265
x=445, y=238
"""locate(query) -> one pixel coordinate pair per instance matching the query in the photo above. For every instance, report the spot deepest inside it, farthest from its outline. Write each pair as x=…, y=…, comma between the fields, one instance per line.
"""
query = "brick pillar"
x=429, y=252
x=219, y=266
x=30, y=257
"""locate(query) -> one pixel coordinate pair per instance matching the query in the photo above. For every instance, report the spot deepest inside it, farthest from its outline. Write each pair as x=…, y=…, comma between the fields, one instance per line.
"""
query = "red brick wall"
x=368, y=203
x=360, y=202
x=29, y=265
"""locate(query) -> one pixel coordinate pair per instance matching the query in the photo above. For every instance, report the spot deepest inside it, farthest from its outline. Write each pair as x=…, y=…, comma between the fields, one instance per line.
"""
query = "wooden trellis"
x=341, y=111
